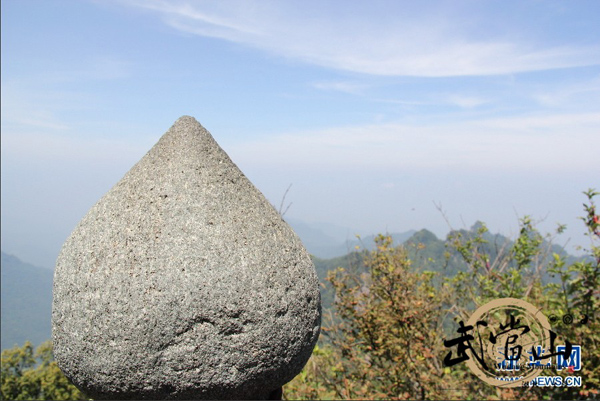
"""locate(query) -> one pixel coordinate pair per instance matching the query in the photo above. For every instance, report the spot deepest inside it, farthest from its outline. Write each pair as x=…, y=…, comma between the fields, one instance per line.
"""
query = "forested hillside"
x=26, y=302
x=429, y=253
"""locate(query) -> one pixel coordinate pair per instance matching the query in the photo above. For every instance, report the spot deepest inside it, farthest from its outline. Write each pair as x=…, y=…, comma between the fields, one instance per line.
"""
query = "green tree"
x=29, y=375
x=384, y=341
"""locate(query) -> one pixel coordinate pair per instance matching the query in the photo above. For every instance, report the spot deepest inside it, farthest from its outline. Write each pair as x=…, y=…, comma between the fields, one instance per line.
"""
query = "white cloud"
x=541, y=143
x=580, y=94
x=387, y=42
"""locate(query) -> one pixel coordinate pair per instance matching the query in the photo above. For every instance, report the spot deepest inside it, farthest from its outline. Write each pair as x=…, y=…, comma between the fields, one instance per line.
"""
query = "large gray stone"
x=184, y=282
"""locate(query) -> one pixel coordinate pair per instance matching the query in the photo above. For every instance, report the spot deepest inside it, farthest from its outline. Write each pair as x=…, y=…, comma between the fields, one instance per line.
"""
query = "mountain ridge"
x=327, y=243
x=26, y=297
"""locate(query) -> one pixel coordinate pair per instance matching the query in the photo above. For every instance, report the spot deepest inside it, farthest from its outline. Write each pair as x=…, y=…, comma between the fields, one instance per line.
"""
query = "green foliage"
x=315, y=380
x=384, y=343
x=578, y=294
x=29, y=375
x=351, y=262
x=517, y=271
x=387, y=322
x=385, y=334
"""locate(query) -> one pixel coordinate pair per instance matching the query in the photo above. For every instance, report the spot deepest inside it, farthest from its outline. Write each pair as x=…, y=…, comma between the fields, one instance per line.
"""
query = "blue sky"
x=374, y=111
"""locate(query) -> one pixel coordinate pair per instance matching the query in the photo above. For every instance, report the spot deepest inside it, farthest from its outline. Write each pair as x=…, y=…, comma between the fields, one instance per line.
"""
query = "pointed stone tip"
x=185, y=129
x=186, y=120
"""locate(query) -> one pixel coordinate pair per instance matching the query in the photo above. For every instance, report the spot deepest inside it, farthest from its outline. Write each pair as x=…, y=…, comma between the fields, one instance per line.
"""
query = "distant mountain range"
x=26, y=302
x=27, y=290
x=327, y=241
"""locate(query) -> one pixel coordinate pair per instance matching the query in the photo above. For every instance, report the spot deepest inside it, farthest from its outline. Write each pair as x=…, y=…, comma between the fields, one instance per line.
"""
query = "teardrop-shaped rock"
x=183, y=282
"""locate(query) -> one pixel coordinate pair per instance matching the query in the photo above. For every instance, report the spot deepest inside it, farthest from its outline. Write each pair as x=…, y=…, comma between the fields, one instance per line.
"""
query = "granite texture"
x=183, y=282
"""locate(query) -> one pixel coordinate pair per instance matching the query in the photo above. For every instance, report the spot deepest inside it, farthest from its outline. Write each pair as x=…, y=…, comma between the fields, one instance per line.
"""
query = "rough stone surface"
x=183, y=282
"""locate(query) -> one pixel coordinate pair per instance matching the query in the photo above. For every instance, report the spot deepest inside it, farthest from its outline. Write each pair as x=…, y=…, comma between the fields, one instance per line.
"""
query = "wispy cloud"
x=389, y=43
x=42, y=99
x=577, y=94
x=537, y=142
